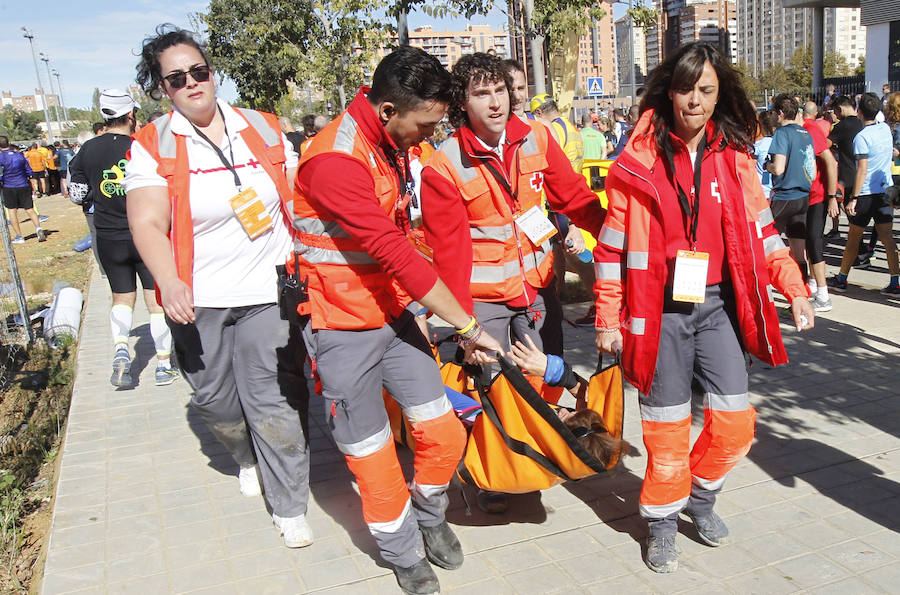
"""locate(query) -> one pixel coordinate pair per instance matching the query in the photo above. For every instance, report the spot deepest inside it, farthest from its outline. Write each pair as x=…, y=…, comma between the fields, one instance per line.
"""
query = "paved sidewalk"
x=148, y=502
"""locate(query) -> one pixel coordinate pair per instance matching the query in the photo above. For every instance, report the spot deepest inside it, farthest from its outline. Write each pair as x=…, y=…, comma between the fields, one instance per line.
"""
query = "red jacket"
x=444, y=209
x=632, y=247
x=349, y=240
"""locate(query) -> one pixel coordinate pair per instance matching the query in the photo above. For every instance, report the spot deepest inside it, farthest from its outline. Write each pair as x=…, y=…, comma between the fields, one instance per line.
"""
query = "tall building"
x=712, y=21
x=844, y=34
x=881, y=19
x=597, y=55
x=633, y=53
x=450, y=46
x=769, y=34
x=27, y=103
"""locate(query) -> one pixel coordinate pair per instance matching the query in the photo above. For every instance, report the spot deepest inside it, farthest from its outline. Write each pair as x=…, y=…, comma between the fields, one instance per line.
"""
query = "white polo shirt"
x=230, y=269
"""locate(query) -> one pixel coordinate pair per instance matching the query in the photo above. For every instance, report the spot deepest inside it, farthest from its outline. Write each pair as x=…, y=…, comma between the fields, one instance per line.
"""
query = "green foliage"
x=12, y=501
x=555, y=18
x=19, y=126
x=644, y=17
x=860, y=69
x=262, y=46
x=800, y=72
x=440, y=10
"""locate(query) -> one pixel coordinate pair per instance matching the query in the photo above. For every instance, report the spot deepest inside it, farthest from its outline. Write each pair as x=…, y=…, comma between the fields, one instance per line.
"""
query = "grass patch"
x=32, y=414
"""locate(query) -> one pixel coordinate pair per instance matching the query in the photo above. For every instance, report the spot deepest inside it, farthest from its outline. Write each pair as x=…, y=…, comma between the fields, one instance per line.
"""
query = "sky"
x=95, y=44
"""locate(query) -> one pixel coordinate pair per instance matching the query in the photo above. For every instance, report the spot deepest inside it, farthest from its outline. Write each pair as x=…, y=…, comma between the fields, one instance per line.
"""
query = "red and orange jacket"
x=347, y=200
x=263, y=138
x=631, y=255
x=468, y=214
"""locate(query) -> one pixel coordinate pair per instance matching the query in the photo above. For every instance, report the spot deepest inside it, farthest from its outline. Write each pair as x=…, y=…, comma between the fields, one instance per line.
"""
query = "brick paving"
x=148, y=502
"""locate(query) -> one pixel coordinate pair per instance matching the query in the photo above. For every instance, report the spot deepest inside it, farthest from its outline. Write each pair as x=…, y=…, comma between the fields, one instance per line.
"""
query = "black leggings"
x=815, y=228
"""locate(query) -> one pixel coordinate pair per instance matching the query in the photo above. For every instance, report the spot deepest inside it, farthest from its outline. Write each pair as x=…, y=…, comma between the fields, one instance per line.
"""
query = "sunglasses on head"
x=178, y=80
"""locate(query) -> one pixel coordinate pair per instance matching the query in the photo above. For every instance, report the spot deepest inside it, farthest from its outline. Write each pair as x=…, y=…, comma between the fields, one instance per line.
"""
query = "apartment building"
x=635, y=55
x=27, y=103
x=450, y=46
x=597, y=55
x=768, y=33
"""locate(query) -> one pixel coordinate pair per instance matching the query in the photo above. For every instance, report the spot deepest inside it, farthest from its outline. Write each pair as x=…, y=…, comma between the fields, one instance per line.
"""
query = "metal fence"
x=15, y=325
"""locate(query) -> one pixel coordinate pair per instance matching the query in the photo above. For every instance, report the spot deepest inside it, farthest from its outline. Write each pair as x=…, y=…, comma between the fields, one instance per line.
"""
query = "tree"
x=800, y=72
x=860, y=69
x=262, y=45
x=18, y=126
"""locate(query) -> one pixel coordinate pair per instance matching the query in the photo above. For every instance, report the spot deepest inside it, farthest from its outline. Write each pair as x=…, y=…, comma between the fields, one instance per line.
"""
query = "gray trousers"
x=541, y=321
x=353, y=366
x=246, y=368
x=699, y=350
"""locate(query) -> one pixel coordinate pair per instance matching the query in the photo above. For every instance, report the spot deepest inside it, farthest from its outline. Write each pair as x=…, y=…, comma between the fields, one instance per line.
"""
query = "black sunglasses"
x=178, y=80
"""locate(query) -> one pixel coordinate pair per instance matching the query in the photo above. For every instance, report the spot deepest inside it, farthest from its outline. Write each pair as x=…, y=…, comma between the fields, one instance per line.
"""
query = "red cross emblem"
x=537, y=181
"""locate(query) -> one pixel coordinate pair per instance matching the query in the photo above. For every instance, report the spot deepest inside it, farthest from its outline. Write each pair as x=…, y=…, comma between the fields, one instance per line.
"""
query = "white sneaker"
x=821, y=305
x=294, y=530
x=249, y=481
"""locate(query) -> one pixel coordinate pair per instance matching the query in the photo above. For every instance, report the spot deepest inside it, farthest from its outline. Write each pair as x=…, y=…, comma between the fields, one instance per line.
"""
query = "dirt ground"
x=43, y=263
x=34, y=406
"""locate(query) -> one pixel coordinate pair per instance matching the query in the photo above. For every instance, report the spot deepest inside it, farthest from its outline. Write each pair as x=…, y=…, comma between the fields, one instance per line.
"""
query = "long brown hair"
x=599, y=443
x=734, y=116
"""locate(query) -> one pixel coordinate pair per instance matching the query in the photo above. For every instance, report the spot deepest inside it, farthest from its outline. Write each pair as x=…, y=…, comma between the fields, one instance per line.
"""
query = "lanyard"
x=407, y=188
x=691, y=212
x=215, y=147
x=501, y=179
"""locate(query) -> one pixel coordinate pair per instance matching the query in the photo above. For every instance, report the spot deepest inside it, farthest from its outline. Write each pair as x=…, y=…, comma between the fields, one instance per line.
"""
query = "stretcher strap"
x=539, y=405
x=534, y=400
x=617, y=360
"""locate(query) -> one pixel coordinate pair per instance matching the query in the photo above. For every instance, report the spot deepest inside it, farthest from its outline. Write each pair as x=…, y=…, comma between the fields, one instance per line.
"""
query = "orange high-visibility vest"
x=263, y=138
x=502, y=254
x=348, y=289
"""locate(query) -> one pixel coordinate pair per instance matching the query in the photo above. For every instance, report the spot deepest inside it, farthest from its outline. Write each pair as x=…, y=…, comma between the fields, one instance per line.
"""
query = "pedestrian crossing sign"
x=595, y=85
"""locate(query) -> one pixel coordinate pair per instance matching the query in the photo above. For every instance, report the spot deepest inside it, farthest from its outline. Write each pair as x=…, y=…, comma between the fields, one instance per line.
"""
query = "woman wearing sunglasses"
x=207, y=190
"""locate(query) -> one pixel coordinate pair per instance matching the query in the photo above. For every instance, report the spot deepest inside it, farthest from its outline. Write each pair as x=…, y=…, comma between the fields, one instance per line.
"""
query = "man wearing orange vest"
x=481, y=200
x=353, y=245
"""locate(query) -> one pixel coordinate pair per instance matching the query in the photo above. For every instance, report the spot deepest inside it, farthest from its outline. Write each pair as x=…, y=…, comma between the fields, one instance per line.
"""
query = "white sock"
x=120, y=317
x=812, y=286
x=822, y=293
x=162, y=337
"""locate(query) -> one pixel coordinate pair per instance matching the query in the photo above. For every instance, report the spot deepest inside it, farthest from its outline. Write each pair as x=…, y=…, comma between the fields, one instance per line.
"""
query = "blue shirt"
x=761, y=150
x=65, y=156
x=795, y=143
x=14, y=169
x=875, y=143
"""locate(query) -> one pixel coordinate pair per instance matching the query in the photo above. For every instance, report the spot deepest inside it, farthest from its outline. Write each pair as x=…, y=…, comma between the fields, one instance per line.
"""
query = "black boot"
x=442, y=547
x=418, y=579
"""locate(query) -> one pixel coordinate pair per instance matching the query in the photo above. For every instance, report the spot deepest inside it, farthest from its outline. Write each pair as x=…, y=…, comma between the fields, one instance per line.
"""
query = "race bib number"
x=690, y=276
x=534, y=224
x=251, y=212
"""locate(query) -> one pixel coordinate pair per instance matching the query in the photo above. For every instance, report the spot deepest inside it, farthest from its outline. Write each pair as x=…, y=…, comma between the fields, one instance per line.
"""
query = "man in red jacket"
x=353, y=244
x=481, y=207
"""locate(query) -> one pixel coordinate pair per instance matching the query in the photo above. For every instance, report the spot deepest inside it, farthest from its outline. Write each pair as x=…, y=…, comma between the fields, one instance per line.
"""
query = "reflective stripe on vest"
x=506, y=270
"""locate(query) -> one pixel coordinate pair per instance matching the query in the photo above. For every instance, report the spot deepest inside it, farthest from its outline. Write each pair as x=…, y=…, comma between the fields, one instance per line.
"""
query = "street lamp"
x=46, y=60
x=61, y=99
x=30, y=37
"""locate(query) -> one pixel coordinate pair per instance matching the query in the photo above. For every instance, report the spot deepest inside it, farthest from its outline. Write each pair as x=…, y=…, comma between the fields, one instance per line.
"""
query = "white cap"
x=115, y=103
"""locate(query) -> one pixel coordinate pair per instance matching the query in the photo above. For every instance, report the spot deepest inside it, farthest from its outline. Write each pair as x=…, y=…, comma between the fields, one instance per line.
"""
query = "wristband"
x=468, y=328
x=608, y=330
x=473, y=337
x=555, y=369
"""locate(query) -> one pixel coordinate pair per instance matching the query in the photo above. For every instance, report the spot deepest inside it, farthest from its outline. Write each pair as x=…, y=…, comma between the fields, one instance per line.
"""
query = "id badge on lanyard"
x=691, y=270
x=691, y=266
x=251, y=212
x=534, y=224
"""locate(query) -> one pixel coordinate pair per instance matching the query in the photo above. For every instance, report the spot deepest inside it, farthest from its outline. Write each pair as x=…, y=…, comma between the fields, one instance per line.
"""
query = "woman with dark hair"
x=208, y=197
x=689, y=230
